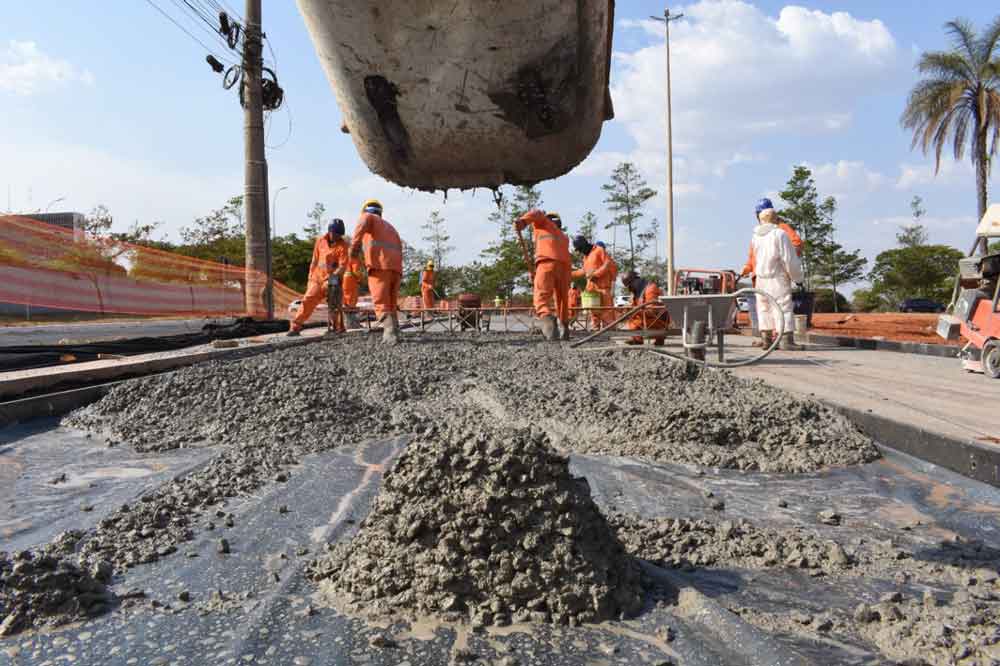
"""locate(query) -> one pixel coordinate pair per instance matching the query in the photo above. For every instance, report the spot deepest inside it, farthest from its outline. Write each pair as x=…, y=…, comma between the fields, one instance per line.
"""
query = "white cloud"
x=845, y=179
x=951, y=173
x=740, y=75
x=26, y=70
x=931, y=222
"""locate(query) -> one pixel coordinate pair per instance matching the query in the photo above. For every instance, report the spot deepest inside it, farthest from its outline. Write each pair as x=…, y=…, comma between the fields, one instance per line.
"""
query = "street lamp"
x=671, y=288
x=274, y=210
x=54, y=202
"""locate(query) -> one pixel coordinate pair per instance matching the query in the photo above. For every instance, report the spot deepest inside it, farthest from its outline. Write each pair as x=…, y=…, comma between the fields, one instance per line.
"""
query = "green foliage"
x=587, y=227
x=867, y=300
x=957, y=101
x=503, y=270
x=627, y=193
x=436, y=237
x=99, y=221
x=836, y=267
x=812, y=219
x=921, y=271
x=994, y=247
x=315, y=226
x=291, y=258
x=825, y=301
x=217, y=236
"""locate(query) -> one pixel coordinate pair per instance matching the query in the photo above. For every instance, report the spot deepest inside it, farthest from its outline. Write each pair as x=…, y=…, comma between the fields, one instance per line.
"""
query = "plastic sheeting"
x=263, y=614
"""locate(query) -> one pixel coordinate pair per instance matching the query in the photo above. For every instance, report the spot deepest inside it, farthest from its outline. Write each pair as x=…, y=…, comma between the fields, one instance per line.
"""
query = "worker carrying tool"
x=351, y=282
x=600, y=270
x=329, y=259
x=552, y=269
x=383, y=256
x=777, y=267
x=427, y=286
x=650, y=318
x=749, y=267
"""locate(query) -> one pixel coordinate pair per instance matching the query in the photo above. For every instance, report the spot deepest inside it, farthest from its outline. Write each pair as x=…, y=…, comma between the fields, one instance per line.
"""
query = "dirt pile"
x=488, y=526
x=681, y=543
x=40, y=588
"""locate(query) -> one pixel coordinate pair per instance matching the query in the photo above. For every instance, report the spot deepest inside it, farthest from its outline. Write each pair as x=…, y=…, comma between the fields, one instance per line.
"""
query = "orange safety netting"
x=49, y=266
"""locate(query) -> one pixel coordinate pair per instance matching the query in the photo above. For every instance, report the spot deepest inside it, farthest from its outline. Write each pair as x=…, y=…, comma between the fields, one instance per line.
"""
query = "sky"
x=118, y=107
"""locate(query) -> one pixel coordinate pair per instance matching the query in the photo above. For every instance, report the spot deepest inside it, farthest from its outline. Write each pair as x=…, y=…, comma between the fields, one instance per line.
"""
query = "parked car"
x=920, y=305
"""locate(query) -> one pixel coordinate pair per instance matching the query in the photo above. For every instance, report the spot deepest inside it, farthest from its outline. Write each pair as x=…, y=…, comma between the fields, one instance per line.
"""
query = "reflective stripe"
x=383, y=244
x=548, y=237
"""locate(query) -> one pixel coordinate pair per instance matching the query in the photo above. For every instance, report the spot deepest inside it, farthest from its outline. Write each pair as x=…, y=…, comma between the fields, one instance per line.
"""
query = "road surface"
x=49, y=334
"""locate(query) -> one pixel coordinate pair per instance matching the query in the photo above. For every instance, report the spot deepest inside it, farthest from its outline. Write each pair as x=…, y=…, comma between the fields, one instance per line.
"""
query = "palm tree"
x=959, y=98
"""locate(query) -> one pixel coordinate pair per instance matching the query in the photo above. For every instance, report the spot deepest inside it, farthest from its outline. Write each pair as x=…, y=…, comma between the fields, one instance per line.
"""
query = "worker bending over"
x=329, y=260
x=777, y=267
x=383, y=256
x=600, y=270
x=552, y=268
x=427, y=286
x=749, y=267
x=351, y=282
x=649, y=318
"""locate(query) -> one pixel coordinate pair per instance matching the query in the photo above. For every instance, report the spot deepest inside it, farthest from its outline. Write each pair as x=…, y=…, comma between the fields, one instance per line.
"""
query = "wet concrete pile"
x=684, y=543
x=634, y=405
x=487, y=526
x=44, y=588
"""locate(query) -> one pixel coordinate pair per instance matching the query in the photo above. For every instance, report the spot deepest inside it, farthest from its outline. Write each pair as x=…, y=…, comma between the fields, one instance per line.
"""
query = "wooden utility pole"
x=671, y=268
x=255, y=198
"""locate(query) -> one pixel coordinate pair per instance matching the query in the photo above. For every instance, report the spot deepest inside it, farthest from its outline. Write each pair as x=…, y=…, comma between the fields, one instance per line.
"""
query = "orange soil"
x=885, y=325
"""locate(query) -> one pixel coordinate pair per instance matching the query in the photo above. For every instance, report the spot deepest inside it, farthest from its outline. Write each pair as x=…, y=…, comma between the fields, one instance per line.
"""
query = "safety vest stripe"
x=383, y=244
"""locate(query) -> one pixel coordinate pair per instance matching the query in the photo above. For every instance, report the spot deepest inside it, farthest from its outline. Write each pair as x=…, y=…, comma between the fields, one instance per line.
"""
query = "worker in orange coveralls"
x=552, y=268
x=329, y=259
x=650, y=318
x=383, y=255
x=427, y=286
x=600, y=271
x=750, y=268
x=574, y=299
x=351, y=282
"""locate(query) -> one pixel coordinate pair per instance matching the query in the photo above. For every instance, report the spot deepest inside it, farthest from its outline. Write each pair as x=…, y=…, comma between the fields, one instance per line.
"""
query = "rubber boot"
x=390, y=329
x=766, y=339
x=565, y=332
x=549, y=327
x=788, y=343
x=293, y=333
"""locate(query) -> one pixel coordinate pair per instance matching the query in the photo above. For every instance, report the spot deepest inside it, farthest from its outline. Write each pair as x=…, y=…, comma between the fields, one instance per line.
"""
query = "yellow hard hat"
x=555, y=218
x=372, y=203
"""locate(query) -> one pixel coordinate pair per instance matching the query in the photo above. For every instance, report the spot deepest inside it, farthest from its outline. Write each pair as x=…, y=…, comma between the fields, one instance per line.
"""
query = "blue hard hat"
x=601, y=245
x=763, y=204
x=336, y=227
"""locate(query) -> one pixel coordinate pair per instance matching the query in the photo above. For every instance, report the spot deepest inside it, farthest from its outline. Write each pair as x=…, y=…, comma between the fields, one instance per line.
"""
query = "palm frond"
x=946, y=65
x=963, y=36
x=989, y=42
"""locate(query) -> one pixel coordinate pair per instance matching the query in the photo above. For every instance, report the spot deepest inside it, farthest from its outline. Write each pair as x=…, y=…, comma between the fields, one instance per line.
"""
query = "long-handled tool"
x=527, y=256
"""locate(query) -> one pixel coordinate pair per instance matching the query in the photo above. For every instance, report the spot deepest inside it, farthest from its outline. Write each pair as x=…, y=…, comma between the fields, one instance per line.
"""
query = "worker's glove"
x=588, y=273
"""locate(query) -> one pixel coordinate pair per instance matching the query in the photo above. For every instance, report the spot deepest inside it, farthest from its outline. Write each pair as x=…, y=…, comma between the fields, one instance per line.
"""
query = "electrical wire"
x=185, y=30
x=201, y=23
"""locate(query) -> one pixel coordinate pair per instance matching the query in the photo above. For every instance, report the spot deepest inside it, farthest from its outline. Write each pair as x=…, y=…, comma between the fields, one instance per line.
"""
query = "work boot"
x=390, y=329
x=788, y=343
x=293, y=333
x=549, y=327
x=766, y=340
x=565, y=332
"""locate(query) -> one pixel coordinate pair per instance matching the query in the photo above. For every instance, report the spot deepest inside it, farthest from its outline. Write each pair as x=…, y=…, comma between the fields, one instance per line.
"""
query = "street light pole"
x=671, y=287
x=274, y=211
x=54, y=202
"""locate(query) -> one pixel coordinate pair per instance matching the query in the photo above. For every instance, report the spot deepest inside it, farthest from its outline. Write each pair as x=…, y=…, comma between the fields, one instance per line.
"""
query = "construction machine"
x=439, y=94
x=974, y=313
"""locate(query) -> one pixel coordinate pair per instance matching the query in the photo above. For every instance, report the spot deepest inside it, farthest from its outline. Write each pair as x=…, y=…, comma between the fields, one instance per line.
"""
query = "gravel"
x=485, y=525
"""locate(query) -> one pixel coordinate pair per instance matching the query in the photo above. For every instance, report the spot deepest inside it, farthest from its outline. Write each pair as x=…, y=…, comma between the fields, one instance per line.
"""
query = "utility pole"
x=255, y=199
x=671, y=287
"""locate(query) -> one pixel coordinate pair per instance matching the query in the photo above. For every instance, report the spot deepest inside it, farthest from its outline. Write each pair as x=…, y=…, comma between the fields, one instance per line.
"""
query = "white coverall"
x=777, y=267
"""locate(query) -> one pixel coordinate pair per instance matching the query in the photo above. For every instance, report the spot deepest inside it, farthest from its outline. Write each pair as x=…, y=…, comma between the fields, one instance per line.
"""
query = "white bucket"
x=801, y=324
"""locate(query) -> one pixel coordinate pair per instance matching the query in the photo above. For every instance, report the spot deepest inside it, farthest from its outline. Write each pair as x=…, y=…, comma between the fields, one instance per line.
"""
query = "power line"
x=183, y=29
x=205, y=26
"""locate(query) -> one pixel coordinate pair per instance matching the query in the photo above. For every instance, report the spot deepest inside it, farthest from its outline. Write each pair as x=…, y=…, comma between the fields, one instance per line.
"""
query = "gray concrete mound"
x=487, y=526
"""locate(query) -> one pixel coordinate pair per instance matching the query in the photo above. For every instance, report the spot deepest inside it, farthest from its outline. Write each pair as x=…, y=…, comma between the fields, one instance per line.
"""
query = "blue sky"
x=118, y=107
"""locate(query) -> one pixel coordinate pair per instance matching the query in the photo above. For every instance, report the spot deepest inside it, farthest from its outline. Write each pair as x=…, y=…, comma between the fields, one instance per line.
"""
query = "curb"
x=871, y=344
x=966, y=457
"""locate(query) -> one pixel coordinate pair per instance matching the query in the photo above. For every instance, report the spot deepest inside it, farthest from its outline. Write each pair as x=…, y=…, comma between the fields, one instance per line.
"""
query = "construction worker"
x=748, y=268
x=427, y=286
x=600, y=271
x=383, y=256
x=650, y=318
x=777, y=267
x=329, y=259
x=574, y=296
x=552, y=268
x=352, y=282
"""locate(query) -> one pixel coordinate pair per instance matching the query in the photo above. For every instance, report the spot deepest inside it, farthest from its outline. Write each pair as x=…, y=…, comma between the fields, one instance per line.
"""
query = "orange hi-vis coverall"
x=574, y=297
x=552, y=266
x=383, y=252
x=327, y=258
x=651, y=318
x=427, y=288
x=602, y=271
x=351, y=282
x=751, y=265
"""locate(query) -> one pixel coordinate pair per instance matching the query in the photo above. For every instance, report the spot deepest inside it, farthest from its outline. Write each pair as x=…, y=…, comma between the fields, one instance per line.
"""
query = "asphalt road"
x=48, y=334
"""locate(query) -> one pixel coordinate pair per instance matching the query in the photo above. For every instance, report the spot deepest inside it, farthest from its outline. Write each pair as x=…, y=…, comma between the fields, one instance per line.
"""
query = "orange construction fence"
x=49, y=266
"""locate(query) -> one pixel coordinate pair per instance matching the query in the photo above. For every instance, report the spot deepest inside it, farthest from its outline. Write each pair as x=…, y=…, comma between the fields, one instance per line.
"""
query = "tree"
x=503, y=262
x=836, y=267
x=867, y=300
x=811, y=219
x=98, y=222
x=828, y=300
x=627, y=193
x=588, y=226
x=958, y=99
x=925, y=271
x=315, y=225
x=218, y=235
x=911, y=235
x=437, y=238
